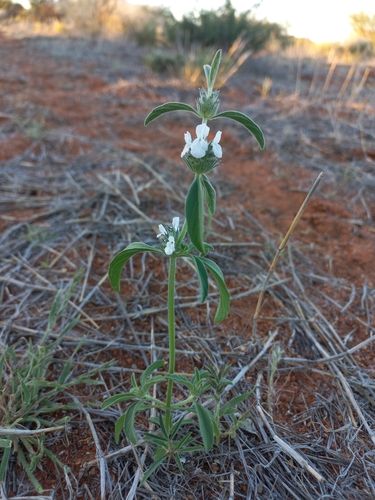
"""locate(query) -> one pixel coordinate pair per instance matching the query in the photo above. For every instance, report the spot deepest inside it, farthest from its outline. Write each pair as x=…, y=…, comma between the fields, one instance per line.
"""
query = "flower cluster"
x=198, y=148
x=168, y=235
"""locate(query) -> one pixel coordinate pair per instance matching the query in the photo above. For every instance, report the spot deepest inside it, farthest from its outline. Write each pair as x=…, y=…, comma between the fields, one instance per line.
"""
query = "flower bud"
x=208, y=104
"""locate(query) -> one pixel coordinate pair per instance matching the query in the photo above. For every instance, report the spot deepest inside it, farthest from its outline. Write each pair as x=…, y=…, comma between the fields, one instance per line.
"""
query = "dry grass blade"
x=100, y=457
x=280, y=249
x=36, y=432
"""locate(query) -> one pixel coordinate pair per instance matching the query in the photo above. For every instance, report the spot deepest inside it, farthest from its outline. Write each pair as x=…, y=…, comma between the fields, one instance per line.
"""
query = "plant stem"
x=171, y=338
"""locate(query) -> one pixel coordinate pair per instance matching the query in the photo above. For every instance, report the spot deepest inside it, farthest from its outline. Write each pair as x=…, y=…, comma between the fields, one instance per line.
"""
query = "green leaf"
x=231, y=405
x=198, y=375
x=4, y=463
x=157, y=379
x=119, y=425
x=118, y=398
x=38, y=384
x=205, y=425
x=168, y=108
x=224, y=302
x=82, y=380
x=215, y=65
x=153, y=467
x=118, y=262
x=202, y=276
x=154, y=366
x=207, y=71
x=29, y=471
x=187, y=439
x=189, y=449
x=157, y=440
x=34, y=420
x=244, y=120
x=5, y=443
x=209, y=194
x=180, y=379
x=178, y=462
x=26, y=392
x=162, y=426
x=53, y=315
x=194, y=213
x=129, y=422
x=158, y=453
x=133, y=381
x=65, y=372
x=178, y=424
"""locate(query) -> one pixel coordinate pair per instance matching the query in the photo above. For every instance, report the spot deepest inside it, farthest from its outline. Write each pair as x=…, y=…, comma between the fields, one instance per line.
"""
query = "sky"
x=318, y=20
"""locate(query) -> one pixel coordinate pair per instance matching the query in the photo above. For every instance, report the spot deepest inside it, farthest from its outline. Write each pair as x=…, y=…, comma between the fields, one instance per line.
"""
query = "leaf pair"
x=201, y=265
x=236, y=116
x=211, y=74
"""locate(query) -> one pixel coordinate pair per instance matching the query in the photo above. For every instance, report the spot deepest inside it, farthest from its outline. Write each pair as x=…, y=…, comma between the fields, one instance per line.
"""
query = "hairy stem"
x=171, y=338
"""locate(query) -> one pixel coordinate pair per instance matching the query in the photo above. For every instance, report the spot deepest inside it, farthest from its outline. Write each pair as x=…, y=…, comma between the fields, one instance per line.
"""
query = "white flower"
x=170, y=246
x=175, y=223
x=199, y=146
x=162, y=230
x=216, y=148
x=188, y=141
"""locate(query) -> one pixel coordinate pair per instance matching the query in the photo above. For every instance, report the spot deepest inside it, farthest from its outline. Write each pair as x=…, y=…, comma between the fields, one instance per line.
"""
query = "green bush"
x=206, y=30
x=222, y=28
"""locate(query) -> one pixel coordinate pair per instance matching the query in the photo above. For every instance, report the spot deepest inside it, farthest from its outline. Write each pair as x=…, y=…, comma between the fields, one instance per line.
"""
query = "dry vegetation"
x=80, y=177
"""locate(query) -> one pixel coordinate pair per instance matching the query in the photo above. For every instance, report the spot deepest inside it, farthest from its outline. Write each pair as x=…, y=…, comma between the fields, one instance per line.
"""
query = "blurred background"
x=173, y=30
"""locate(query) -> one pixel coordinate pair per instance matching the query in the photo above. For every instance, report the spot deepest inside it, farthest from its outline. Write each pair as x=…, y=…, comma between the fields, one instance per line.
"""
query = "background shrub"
x=221, y=28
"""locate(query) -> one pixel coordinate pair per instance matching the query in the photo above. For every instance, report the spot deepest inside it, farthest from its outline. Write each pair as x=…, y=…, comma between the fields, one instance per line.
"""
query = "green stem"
x=171, y=337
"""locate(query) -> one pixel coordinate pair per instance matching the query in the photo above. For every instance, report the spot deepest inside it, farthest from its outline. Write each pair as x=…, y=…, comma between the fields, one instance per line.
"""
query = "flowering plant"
x=201, y=156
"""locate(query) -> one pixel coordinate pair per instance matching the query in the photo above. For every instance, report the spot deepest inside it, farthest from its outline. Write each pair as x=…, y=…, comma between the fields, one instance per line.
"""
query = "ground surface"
x=81, y=177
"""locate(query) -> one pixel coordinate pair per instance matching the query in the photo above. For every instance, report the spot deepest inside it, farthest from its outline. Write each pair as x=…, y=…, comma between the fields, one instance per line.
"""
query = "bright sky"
x=319, y=20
